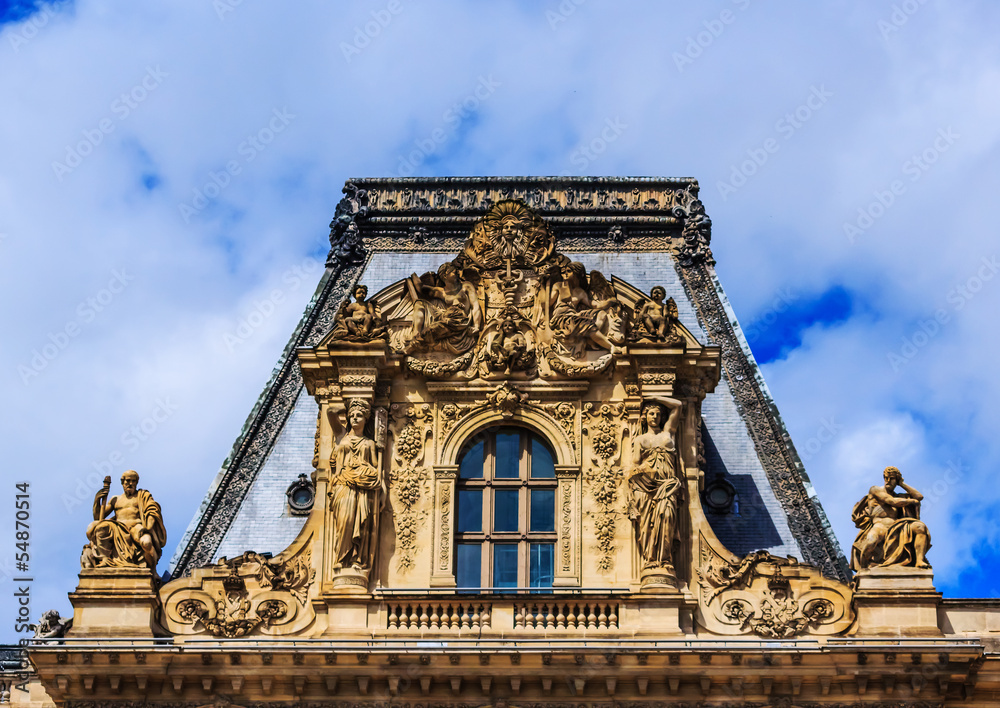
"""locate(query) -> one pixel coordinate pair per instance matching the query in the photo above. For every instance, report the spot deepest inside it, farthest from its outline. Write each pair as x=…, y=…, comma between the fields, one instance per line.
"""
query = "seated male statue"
x=891, y=532
x=133, y=537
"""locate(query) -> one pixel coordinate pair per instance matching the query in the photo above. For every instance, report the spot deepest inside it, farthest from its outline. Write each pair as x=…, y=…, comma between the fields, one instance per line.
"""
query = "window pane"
x=505, y=512
x=505, y=565
x=468, y=565
x=541, y=564
x=508, y=454
x=543, y=510
x=470, y=510
x=471, y=466
x=542, y=466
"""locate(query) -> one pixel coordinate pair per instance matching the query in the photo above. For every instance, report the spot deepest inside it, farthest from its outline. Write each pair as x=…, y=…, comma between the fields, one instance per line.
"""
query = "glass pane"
x=508, y=454
x=505, y=565
x=471, y=466
x=470, y=510
x=542, y=466
x=541, y=564
x=505, y=512
x=468, y=565
x=543, y=510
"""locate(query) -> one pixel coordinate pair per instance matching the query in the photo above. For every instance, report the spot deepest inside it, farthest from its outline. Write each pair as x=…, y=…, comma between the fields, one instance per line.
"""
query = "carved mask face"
x=510, y=229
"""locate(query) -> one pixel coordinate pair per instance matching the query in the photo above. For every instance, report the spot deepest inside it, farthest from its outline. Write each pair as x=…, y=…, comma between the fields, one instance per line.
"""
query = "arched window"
x=505, y=533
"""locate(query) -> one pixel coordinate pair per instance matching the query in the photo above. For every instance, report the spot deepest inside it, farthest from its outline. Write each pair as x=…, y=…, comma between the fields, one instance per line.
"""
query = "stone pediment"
x=511, y=306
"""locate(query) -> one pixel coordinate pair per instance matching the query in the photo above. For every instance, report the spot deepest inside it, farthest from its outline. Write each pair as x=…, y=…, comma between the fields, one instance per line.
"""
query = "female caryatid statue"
x=358, y=491
x=656, y=488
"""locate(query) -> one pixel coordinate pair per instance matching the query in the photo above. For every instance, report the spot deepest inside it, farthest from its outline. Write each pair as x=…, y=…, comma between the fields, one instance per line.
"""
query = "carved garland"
x=409, y=478
x=603, y=476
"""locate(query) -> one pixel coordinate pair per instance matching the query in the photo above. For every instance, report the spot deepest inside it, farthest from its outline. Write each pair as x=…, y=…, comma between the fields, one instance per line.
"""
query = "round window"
x=301, y=495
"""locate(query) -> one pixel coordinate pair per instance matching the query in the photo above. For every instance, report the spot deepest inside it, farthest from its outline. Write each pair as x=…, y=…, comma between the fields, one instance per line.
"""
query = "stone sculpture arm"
x=101, y=506
x=890, y=499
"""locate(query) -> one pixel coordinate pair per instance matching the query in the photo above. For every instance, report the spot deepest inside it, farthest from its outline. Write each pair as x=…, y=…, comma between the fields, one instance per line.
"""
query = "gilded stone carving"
x=359, y=321
x=656, y=489
x=580, y=310
x=656, y=321
x=447, y=315
x=890, y=530
x=507, y=399
x=133, y=537
x=510, y=233
x=293, y=575
x=776, y=598
x=444, y=553
x=778, y=614
x=409, y=478
x=508, y=347
x=232, y=616
x=604, y=475
x=358, y=491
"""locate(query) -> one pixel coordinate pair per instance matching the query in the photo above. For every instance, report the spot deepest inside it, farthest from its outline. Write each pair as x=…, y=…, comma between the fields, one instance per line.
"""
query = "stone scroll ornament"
x=890, y=532
x=133, y=536
x=656, y=489
x=358, y=491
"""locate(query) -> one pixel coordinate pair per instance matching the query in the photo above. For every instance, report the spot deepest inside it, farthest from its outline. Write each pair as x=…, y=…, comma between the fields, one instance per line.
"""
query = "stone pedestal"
x=896, y=601
x=114, y=602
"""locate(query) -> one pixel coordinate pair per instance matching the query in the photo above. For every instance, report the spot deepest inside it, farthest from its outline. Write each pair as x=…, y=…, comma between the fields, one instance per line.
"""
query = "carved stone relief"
x=409, y=477
x=605, y=429
x=776, y=598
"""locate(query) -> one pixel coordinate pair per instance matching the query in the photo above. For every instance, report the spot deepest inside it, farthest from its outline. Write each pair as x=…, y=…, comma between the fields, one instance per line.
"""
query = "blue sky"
x=847, y=154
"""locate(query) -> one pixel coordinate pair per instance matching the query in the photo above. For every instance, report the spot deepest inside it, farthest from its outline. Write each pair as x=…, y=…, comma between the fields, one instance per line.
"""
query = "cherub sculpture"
x=654, y=318
x=359, y=321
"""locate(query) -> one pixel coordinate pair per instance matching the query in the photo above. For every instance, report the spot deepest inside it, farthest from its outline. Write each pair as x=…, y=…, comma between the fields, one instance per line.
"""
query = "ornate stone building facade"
x=546, y=471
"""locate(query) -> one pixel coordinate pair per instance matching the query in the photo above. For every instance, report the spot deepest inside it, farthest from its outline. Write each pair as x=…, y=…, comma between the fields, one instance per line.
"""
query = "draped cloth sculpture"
x=655, y=487
x=891, y=532
x=358, y=493
x=134, y=537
